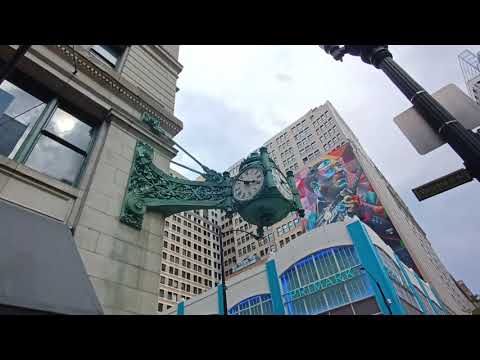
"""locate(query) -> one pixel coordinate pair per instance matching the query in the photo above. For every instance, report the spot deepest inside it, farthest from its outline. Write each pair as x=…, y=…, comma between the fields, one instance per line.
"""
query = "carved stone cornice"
x=168, y=121
x=167, y=57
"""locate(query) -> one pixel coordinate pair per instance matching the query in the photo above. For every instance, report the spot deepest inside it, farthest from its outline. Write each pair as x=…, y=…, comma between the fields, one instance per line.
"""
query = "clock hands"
x=249, y=181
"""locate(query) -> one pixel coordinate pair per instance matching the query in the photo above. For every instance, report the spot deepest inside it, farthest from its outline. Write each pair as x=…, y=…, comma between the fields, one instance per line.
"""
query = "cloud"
x=283, y=78
x=216, y=134
x=231, y=104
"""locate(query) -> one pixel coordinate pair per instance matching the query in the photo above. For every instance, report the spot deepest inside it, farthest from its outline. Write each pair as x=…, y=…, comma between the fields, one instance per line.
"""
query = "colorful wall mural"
x=335, y=188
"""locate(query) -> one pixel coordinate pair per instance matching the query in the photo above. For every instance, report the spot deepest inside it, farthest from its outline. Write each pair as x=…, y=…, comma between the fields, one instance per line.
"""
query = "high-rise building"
x=190, y=255
x=475, y=299
x=470, y=65
x=318, y=148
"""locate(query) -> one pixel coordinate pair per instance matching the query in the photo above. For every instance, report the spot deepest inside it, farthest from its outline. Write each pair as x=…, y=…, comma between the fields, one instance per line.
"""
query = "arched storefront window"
x=255, y=305
x=325, y=281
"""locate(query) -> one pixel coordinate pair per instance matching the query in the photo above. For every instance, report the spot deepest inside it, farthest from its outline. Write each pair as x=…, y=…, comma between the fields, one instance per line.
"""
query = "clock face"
x=248, y=184
x=282, y=184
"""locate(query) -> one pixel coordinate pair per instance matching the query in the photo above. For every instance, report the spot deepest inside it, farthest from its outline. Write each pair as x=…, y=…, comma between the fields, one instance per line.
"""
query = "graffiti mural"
x=336, y=188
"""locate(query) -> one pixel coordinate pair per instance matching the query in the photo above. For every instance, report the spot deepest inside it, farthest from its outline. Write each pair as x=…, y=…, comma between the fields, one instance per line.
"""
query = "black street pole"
x=224, y=285
x=464, y=142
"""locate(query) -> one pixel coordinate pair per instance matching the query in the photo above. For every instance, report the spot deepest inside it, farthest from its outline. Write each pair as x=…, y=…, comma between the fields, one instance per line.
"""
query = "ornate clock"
x=248, y=184
x=262, y=194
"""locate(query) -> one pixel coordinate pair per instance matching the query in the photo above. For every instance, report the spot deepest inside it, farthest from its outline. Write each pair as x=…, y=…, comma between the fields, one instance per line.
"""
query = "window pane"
x=18, y=109
x=52, y=158
x=70, y=129
x=344, y=310
x=110, y=53
x=366, y=307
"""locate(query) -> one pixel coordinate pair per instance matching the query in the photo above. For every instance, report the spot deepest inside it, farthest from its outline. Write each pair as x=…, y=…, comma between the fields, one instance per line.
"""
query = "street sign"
x=423, y=138
x=442, y=184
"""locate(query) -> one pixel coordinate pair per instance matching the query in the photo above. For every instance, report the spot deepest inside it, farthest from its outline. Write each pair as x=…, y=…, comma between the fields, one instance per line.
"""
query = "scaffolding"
x=470, y=65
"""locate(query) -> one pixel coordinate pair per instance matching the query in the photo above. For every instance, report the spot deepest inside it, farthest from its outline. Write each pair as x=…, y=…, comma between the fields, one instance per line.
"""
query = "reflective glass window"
x=255, y=305
x=313, y=271
x=19, y=110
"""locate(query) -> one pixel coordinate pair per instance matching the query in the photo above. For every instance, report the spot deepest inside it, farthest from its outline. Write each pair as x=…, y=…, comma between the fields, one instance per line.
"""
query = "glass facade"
x=323, y=273
x=255, y=305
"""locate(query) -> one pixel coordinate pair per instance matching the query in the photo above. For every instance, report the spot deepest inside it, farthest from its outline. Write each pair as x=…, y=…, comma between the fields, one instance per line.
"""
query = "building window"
x=255, y=305
x=160, y=307
x=19, y=111
x=109, y=54
x=62, y=147
x=43, y=135
x=322, y=265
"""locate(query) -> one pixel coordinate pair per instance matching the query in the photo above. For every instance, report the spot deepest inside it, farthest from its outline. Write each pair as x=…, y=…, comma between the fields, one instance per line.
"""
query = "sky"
x=234, y=98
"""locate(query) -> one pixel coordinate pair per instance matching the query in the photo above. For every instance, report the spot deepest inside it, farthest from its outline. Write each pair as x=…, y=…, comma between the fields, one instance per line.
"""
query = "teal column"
x=181, y=308
x=420, y=281
x=442, y=305
x=412, y=287
x=274, y=285
x=220, y=299
x=375, y=269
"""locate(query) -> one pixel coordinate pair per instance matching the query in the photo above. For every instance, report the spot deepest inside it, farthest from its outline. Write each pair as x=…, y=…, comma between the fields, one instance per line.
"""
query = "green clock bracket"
x=150, y=188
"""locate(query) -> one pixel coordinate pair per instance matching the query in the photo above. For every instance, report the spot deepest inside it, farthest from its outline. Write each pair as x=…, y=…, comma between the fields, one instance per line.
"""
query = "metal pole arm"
x=464, y=142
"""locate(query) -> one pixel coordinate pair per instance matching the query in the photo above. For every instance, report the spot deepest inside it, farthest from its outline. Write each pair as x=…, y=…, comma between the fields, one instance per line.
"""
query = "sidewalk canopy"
x=40, y=266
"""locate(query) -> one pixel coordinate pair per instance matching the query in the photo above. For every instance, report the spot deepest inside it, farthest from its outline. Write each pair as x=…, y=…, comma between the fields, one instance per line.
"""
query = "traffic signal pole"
x=464, y=142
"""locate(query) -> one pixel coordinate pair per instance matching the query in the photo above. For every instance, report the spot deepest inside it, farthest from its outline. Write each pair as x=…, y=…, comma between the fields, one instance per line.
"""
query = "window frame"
x=120, y=60
x=27, y=142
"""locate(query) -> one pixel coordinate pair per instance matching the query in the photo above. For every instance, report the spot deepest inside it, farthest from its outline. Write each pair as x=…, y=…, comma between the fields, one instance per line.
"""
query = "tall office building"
x=324, y=153
x=470, y=65
x=190, y=255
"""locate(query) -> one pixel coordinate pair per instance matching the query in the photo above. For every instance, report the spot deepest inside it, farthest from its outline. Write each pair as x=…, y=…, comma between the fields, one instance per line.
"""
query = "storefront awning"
x=40, y=266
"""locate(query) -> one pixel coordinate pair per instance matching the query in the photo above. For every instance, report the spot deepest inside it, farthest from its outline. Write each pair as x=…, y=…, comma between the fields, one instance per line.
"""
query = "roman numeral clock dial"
x=248, y=184
x=282, y=184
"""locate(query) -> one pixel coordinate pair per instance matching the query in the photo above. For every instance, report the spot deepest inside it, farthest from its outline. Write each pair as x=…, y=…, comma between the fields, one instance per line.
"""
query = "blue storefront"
x=356, y=274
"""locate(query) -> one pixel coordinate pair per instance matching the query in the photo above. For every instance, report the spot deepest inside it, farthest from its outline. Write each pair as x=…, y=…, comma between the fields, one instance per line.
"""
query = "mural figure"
x=336, y=188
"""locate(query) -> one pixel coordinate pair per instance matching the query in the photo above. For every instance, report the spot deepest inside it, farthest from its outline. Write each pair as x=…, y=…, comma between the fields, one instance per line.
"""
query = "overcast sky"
x=234, y=98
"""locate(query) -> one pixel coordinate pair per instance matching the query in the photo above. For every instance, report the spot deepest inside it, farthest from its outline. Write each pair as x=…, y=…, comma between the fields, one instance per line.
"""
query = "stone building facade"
x=73, y=115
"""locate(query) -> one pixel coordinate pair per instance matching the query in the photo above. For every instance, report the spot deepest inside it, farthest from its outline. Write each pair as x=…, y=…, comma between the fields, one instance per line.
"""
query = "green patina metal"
x=150, y=188
x=153, y=123
x=268, y=206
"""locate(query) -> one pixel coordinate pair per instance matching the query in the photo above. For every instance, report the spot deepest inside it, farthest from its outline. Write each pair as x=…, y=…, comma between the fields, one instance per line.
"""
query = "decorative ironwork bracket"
x=151, y=188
